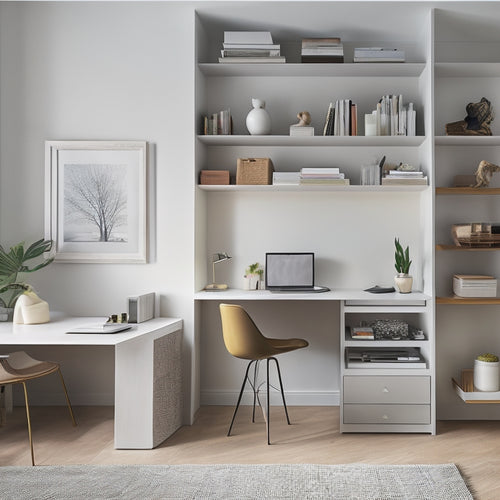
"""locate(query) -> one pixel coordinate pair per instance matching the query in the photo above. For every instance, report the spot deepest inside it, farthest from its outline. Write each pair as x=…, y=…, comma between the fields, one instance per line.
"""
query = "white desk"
x=148, y=394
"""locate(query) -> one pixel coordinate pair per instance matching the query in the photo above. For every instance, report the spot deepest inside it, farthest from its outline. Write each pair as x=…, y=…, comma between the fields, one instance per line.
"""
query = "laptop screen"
x=289, y=270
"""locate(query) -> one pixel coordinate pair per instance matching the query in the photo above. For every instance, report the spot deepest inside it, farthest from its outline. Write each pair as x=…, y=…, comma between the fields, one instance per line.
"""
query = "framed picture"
x=95, y=205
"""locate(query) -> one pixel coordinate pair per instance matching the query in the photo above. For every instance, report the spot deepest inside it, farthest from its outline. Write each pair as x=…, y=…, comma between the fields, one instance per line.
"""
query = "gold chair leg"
x=67, y=398
x=29, y=422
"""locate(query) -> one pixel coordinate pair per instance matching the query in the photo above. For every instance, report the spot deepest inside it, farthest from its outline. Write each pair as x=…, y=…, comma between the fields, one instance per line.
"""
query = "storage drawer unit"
x=387, y=389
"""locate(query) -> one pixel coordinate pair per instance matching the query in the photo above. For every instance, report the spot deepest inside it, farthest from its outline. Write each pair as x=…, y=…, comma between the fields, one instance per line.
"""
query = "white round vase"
x=486, y=375
x=403, y=282
x=258, y=120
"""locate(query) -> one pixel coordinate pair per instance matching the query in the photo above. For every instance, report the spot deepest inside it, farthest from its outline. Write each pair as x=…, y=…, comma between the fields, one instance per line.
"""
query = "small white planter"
x=403, y=282
x=486, y=375
x=251, y=282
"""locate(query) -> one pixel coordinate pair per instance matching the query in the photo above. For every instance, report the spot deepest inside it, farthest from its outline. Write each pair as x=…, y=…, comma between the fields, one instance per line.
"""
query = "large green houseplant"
x=13, y=265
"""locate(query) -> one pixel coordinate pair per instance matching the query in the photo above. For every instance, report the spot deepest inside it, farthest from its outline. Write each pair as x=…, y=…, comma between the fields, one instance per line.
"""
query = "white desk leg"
x=148, y=399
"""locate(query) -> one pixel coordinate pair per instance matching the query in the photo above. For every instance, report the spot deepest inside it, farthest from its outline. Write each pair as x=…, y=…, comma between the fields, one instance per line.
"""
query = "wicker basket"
x=254, y=171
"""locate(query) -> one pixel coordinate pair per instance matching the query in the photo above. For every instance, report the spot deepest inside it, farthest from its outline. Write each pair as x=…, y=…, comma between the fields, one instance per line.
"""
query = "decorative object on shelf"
x=217, y=258
x=402, y=280
x=303, y=127
x=258, y=121
x=12, y=264
x=476, y=235
x=405, y=174
x=477, y=122
x=484, y=173
x=214, y=177
x=220, y=123
x=30, y=309
x=487, y=372
x=254, y=171
x=253, y=277
x=96, y=204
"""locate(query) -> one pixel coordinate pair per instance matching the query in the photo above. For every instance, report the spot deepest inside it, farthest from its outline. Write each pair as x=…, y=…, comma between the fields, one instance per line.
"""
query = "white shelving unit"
x=351, y=229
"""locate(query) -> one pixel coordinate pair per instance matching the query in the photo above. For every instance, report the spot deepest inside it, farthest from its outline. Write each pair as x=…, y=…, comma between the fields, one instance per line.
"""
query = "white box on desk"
x=141, y=308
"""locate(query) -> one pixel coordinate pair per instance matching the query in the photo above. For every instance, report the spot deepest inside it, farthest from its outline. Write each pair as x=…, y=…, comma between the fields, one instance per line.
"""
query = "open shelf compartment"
x=466, y=392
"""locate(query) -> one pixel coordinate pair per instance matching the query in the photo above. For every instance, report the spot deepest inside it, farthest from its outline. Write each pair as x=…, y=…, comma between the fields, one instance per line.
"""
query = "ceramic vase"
x=30, y=309
x=486, y=375
x=403, y=282
x=258, y=120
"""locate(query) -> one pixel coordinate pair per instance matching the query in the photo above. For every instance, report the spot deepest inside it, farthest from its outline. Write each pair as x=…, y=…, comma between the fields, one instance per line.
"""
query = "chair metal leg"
x=281, y=387
x=239, y=398
x=67, y=398
x=29, y=422
x=267, y=402
x=254, y=389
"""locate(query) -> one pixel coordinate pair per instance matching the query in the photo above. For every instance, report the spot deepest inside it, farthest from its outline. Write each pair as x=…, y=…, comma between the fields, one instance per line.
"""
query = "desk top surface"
x=54, y=332
x=348, y=295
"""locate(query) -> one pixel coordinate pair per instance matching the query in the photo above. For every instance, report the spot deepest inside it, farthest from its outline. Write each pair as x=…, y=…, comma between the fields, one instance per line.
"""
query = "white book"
x=252, y=60
x=406, y=173
x=267, y=46
x=244, y=37
x=320, y=170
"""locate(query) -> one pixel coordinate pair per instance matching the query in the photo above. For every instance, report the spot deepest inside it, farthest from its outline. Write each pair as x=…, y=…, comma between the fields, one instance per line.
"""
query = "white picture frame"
x=95, y=200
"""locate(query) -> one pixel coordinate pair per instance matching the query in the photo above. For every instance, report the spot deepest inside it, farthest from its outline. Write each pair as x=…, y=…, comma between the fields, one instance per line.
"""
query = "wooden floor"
x=313, y=437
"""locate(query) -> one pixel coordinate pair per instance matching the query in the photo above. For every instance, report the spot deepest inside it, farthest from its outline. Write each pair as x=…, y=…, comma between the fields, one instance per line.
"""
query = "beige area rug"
x=301, y=482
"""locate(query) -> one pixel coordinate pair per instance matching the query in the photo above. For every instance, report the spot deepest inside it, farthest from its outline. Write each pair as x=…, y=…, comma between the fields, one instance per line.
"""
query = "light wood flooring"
x=313, y=437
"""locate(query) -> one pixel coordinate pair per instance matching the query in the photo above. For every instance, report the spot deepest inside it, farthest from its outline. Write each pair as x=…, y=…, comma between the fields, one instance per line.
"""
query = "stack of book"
x=466, y=285
x=378, y=54
x=323, y=176
x=341, y=118
x=250, y=47
x=362, y=333
x=404, y=177
x=393, y=118
x=322, y=50
x=220, y=123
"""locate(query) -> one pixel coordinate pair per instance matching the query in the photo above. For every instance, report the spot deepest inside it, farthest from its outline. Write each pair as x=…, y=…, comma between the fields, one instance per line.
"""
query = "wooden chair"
x=244, y=340
x=18, y=368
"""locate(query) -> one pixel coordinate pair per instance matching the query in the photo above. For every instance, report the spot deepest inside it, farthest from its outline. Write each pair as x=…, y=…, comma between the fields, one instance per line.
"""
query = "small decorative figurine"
x=484, y=172
x=477, y=122
x=303, y=127
x=304, y=119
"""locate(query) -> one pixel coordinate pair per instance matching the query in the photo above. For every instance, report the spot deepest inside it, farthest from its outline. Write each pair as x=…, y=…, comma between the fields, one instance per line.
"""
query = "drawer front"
x=387, y=414
x=383, y=389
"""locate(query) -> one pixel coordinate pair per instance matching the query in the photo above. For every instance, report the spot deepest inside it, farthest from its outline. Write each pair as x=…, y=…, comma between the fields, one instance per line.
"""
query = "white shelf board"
x=314, y=69
x=318, y=140
x=467, y=70
x=309, y=188
x=467, y=140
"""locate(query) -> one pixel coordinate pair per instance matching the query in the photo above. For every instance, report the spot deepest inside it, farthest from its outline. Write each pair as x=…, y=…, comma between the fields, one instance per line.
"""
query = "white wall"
x=101, y=71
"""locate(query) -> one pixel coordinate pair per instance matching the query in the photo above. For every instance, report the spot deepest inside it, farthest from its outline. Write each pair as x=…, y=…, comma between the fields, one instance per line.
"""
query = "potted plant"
x=253, y=276
x=403, y=280
x=487, y=372
x=12, y=267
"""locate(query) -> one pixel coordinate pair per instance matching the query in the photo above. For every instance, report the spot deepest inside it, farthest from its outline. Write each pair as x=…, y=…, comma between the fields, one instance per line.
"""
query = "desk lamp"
x=216, y=259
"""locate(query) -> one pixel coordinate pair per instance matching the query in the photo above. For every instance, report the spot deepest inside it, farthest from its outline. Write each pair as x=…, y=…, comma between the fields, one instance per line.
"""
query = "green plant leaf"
x=38, y=248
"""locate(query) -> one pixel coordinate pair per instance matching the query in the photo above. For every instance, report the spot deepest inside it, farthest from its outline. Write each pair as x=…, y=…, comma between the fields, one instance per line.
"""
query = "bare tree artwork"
x=95, y=202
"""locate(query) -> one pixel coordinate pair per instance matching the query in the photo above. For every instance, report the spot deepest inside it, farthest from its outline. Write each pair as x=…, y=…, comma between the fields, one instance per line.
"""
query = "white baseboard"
x=293, y=398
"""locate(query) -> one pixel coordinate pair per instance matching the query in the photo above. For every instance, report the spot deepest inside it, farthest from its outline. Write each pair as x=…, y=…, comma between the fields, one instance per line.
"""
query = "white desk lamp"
x=216, y=259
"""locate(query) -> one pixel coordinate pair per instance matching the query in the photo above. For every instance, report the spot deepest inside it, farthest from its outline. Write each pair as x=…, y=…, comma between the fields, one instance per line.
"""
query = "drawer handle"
x=385, y=417
x=385, y=389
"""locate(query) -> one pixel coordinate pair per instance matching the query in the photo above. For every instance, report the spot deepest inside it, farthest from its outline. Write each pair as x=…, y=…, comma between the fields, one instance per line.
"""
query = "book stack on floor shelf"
x=378, y=54
x=250, y=47
x=322, y=50
x=341, y=118
x=322, y=176
x=404, y=177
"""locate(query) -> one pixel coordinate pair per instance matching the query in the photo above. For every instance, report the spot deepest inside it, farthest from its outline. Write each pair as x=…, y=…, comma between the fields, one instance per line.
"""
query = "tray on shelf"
x=466, y=392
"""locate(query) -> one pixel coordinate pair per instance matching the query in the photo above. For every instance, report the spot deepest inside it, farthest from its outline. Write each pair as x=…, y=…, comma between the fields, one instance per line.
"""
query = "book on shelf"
x=470, y=285
x=248, y=37
x=246, y=52
x=341, y=118
x=378, y=54
x=244, y=46
x=393, y=118
x=326, y=182
x=322, y=50
x=286, y=178
x=252, y=60
x=320, y=170
x=388, y=181
x=406, y=173
x=220, y=123
x=362, y=333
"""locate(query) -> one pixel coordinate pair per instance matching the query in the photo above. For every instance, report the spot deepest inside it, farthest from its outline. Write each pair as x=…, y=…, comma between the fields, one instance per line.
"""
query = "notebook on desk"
x=291, y=272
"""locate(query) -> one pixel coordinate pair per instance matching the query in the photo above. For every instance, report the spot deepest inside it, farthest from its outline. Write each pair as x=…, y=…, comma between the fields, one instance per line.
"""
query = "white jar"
x=258, y=120
x=486, y=375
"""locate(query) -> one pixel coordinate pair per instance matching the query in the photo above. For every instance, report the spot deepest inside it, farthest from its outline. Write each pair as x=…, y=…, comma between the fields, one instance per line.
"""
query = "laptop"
x=291, y=272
